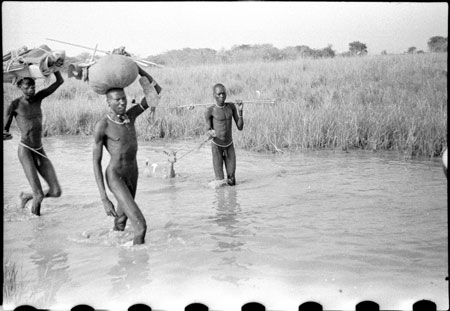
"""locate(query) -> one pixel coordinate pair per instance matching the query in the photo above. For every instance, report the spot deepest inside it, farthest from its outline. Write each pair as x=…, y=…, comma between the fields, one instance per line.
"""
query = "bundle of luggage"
x=116, y=70
x=112, y=71
x=37, y=63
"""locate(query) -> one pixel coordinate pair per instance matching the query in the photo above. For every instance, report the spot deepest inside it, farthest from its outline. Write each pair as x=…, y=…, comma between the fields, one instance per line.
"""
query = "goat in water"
x=165, y=170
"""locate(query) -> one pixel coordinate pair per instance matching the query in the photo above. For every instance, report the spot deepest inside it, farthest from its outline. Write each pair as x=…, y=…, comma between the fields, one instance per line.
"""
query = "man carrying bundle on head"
x=116, y=132
x=219, y=120
x=27, y=111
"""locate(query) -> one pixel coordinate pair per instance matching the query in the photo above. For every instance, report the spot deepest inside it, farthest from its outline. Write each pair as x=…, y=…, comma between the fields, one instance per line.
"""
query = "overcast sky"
x=150, y=28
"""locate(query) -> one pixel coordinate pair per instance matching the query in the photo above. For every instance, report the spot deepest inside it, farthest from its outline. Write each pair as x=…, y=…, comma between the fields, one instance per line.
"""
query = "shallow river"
x=332, y=227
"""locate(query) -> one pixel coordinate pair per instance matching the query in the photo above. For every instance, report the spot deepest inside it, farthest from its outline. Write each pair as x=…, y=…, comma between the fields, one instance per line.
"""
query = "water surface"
x=333, y=227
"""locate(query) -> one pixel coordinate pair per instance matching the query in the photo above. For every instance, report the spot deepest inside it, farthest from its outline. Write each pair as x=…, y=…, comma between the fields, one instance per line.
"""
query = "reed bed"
x=14, y=291
x=16, y=288
x=390, y=102
x=10, y=271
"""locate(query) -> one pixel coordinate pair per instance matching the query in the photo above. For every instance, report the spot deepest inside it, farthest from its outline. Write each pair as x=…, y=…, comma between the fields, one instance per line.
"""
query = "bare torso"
x=27, y=111
x=28, y=115
x=121, y=142
x=222, y=119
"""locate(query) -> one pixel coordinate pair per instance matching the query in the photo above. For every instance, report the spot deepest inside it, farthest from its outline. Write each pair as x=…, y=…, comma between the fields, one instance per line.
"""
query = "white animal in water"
x=164, y=170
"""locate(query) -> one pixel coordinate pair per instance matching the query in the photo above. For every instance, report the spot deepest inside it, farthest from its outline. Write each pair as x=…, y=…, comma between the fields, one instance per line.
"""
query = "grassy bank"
x=393, y=102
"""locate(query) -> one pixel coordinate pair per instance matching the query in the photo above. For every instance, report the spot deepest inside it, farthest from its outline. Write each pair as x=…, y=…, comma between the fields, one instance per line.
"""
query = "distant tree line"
x=248, y=53
x=239, y=53
x=436, y=44
x=264, y=52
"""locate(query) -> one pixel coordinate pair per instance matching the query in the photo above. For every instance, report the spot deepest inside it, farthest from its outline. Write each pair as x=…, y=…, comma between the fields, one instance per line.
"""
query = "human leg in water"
x=230, y=165
x=126, y=206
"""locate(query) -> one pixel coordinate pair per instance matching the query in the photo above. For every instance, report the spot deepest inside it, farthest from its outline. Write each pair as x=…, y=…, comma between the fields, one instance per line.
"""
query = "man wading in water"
x=28, y=113
x=117, y=133
x=219, y=119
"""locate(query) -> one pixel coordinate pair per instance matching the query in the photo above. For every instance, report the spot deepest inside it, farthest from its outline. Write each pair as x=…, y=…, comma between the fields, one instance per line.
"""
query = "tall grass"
x=10, y=271
x=17, y=290
x=393, y=102
x=14, y=290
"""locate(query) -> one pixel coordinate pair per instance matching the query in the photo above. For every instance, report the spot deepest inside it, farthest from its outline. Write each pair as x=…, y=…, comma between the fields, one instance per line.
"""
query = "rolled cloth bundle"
x=112, y=71
x=36, y=63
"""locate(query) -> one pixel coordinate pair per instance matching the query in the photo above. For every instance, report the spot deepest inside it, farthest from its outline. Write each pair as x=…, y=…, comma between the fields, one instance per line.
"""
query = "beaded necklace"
x=120, y=123
x=221, y=107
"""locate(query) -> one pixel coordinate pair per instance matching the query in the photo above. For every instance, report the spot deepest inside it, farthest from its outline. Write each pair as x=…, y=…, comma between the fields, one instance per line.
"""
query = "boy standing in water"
x=219, y=119
x=27, y=111
x=117, y=133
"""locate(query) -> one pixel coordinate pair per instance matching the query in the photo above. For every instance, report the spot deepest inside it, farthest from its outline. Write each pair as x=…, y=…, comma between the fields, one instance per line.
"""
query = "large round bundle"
x=112, y=71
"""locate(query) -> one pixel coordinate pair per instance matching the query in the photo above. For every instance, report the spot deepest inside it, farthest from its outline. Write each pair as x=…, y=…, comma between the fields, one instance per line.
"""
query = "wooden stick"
x=77, y=45
x=257, y=101
x=140, y=61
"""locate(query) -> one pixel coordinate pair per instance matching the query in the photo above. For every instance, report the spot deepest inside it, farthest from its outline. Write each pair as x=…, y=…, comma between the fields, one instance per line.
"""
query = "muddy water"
x=332, y=227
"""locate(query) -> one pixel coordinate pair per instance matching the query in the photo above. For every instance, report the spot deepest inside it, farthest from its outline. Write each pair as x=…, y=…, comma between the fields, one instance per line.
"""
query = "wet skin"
x=122, y=171
x=219, y=122
x=28, y=114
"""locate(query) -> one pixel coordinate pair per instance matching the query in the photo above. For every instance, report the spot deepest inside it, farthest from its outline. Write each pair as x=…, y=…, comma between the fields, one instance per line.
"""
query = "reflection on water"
x=131, y=273
x=335, y=227
x=51, y=264
x=228, y=237
x=227, y=214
